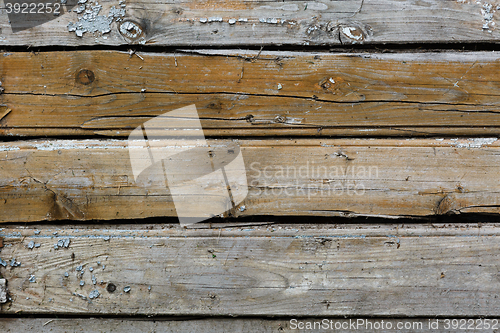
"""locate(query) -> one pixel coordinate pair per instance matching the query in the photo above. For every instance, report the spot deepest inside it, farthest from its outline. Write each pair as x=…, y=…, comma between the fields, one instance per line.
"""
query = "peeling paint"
x=287, y=7
x=487, y=12
x=14, y=263
x=316, y=6
x=348, y=31
x=62, y=243
x=94, y=294
x=90, y=20
x=293, y=121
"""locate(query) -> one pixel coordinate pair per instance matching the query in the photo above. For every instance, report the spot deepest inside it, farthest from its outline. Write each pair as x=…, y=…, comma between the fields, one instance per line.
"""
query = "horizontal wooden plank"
x=237, y=22
x=248, y=325
x=249, y=93
x=295, y=269
x=93, y=179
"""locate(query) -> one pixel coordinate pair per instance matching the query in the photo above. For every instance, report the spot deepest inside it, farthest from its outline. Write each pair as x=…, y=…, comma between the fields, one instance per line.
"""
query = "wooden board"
x=231, y=22
x=319, y=270
x=248, y=325
x=251, y=93
x=93, y=179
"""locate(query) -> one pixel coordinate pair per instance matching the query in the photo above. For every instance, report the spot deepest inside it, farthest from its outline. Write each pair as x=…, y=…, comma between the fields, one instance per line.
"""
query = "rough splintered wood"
x=3, y=291
x=92, y=179
x=247, y=325
x=319, y=270
x=238, y=93
x=230, y=22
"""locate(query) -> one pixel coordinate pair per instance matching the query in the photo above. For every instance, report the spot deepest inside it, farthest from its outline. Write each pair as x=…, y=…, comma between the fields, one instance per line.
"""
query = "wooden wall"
x=397, y=100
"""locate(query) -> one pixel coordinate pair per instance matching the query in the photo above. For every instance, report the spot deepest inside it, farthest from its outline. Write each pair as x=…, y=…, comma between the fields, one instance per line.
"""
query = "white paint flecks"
x=288, y=7
x=293, y=121
x=473, y=143
x=215, y=19
x=316, y=6
x=90, y=20
x=487, y=11
x=269, y=20
x=128, y=27
x=348, y=31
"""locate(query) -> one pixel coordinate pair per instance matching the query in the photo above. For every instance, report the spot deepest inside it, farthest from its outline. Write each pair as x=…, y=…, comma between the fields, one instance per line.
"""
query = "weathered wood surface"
x=251, y=93
x=230, y=22
x=318, y=270
x=247, y=325
x=93, y=179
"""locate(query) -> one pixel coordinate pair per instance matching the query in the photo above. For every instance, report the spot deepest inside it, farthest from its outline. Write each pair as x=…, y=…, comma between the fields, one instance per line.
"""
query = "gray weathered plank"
x=316, y=270
x=237, y=22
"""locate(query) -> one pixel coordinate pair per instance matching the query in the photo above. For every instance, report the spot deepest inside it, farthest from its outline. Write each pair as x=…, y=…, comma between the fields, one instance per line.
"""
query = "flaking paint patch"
x=94, y=294
x=488, y=11
x=348, y=32
x=62, y=243
x=90, y=21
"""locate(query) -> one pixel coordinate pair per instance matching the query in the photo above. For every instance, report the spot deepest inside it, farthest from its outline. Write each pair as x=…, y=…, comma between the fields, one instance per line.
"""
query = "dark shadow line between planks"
x=373, y=48
x=262, y=220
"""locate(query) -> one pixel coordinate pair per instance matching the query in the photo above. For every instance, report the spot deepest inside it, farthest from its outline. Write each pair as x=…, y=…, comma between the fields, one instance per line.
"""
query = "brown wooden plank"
x=93, y=179
x=257, y=325
x=304, y=270
x=231, y=22
x=251, y=93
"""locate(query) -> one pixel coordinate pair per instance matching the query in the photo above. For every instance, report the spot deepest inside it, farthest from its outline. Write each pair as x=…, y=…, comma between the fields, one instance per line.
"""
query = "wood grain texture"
x=93, y=179
x=318, y=270
x=324, y=22
x=249, y=93
x=248, y=325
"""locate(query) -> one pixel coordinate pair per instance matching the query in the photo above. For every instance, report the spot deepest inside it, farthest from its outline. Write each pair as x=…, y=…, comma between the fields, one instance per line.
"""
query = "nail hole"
x=111, y=287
